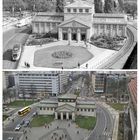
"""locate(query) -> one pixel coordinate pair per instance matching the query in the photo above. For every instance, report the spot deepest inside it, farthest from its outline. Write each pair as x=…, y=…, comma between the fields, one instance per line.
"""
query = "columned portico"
x=75, y=30
x=67, y=116
x=69, y=34
x=61, y=115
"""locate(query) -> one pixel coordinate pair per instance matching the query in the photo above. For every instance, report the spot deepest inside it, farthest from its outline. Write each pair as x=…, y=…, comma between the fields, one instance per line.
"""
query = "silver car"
x=18, y=127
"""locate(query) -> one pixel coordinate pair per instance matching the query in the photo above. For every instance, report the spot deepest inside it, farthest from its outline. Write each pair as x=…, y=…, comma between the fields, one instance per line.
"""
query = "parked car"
x=16, y=52
x=10, y=138
x=18, y=127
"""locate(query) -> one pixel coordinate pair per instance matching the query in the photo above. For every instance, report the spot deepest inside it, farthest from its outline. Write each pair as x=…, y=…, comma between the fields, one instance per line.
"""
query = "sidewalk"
x=100, y=55
x=42, y=133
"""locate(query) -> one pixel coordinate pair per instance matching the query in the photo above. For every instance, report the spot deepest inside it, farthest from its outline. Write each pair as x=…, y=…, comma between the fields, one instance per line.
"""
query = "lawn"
x=86, y=122
x=117, y=106
x=41, y=120
x=21, y=103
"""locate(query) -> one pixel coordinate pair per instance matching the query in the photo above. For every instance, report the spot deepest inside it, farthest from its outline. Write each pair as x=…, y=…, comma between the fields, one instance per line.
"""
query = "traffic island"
x=86, y=122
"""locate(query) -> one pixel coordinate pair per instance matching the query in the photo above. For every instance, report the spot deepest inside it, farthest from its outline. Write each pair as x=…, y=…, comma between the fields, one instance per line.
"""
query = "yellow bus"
x=24, y=111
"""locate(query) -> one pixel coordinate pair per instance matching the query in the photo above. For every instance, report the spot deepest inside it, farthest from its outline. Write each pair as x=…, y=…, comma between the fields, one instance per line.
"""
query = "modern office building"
x=79, y=22
x=41, y=82
x=66, y=107
x=99, y=82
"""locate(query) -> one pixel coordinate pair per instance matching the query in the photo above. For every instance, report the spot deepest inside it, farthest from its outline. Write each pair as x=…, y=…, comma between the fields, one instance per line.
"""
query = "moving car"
x=26, y=123
x=16, y=52
x=22, y=122
x=18, y=127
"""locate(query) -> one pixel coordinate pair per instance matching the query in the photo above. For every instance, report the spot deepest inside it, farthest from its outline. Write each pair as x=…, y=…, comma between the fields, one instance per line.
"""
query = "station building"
x=79, y=22
x=67, y=107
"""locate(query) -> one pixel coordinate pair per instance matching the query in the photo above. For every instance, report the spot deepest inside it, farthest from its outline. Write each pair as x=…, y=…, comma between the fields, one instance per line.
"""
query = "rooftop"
x=79, y=4
x=133, y=91
x=67, y=96
x=107, y=15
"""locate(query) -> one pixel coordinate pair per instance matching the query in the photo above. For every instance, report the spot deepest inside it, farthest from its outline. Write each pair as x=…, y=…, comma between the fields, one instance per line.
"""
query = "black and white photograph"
x=69, y=34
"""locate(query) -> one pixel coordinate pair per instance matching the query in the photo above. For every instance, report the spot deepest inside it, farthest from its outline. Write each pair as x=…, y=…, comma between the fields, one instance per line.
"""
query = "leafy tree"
x=109, y=6
x=130, y=8
x=60, y=6
x=98, y=6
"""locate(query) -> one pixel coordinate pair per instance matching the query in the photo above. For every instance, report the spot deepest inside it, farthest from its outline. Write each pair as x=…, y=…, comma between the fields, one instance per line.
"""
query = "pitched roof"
x=66, y=106
x=79, y=4
x=67, y=96
x=76, y=19
x=108, y=15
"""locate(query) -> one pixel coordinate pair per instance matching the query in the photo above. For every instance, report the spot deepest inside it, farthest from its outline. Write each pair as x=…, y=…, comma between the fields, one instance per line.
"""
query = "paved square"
x=44, y=58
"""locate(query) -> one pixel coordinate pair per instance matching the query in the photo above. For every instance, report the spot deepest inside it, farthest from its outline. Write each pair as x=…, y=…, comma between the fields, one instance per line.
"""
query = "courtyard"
x=57, y=130
x=62, y=56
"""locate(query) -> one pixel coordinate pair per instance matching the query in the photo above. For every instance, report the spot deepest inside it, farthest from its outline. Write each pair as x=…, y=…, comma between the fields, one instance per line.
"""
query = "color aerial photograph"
x=69, y=34
x=69, y=105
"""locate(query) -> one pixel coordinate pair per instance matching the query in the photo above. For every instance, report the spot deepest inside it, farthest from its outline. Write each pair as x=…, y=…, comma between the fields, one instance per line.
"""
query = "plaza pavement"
x=42, y=133
x=100, y=55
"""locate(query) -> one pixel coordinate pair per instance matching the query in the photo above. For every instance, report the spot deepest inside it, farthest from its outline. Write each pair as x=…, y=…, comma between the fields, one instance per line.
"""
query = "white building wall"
x=87, y=113
x=45, y=111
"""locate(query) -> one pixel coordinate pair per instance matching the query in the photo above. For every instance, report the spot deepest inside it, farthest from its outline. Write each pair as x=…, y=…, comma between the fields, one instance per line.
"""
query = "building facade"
x=79, y=22
x=99, y=82
x=41, y=82
x=67, y=107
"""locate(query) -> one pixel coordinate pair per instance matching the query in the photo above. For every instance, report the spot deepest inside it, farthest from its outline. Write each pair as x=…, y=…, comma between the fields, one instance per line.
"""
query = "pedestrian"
x=77, y=132
x=87, y=65
x=62, y=68
x=48, y=126
x=25, y=64
x=26, y=137
x=78, y=65
x=45, y=125
x=28, y=65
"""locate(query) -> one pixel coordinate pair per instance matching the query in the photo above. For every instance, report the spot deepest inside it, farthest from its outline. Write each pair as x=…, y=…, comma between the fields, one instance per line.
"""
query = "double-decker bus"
x=24, y=111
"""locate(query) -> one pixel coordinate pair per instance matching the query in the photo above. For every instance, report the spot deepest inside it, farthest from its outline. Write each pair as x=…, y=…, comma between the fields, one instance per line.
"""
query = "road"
x=8, y=130
x=122, y=52
x=104, y=125
x=10, y=38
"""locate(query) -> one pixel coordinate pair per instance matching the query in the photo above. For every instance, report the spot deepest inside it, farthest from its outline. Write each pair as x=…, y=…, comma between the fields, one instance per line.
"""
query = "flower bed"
x=40, y=39
x=114, y=43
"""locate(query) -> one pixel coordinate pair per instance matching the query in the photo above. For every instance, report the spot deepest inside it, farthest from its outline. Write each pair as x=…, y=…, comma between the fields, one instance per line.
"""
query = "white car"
x=10, y=138
x=16, y=52
x=18, y=127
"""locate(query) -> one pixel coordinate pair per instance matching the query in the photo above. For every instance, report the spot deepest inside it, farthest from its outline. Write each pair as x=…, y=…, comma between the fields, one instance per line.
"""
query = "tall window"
x=74, y=10
x=120, y=27
x=80, y=10
x=87, y=10
x=114, y=27
x=68, y=10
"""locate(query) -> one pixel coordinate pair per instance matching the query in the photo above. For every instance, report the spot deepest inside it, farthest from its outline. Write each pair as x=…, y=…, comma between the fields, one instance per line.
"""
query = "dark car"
x=22, y=122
